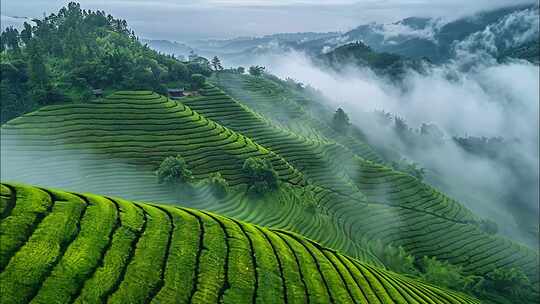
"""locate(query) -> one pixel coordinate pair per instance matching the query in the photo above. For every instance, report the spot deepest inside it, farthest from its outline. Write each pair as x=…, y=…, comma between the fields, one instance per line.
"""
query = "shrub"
x=394, y=258
x=448, y=275
x=178, y=71
x=256, y=70
x=310, y=202
x=48, y=95
x=218, y=184
x=510, y=282
x=161, y=89
x=410, y=168
x=173, y=170
x=197, y=81
x=262, y=176
x=489, y=226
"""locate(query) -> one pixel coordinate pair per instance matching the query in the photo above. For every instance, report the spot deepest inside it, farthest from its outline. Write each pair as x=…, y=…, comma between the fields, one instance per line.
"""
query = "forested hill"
x=359, y=54
x=64, y=56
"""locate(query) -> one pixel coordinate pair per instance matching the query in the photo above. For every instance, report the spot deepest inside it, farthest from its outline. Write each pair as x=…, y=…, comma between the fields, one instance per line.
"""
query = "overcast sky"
x=190, y=19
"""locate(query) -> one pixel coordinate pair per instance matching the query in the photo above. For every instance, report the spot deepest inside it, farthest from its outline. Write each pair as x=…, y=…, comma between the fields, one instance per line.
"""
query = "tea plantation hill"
x=61, y=247
x=99, y=150
x=418, y=204
x=115, y=144
x=290, y=108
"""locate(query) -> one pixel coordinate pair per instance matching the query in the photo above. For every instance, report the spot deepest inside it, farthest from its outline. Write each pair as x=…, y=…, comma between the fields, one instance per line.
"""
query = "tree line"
x=64, y=56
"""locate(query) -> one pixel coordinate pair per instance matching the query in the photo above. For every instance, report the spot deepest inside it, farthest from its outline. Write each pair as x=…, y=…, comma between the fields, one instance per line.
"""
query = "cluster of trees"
x=63, y=56
x=508, y=283
x=218, y=184
x=174, y=172
x=256, y=70
x=481, y=145
x=218, y=68
x=262, y=176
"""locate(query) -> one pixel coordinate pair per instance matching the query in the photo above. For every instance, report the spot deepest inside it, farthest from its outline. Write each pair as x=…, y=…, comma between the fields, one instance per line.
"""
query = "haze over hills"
x=323, y=170
x=433, y=38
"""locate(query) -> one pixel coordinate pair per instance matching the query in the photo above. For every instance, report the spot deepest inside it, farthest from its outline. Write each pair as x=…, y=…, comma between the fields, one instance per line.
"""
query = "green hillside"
x=255, y=192
x=355, y=200
x=60, y=247
x=118, y=154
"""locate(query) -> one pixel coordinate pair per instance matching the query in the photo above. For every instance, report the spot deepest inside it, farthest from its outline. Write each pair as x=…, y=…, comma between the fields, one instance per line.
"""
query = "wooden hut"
x=176, y=93
x=98, y=93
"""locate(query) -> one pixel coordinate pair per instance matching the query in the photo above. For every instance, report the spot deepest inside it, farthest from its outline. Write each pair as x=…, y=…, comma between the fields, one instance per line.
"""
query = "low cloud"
x=488, y=99
x=391, y=31
x=514, y=29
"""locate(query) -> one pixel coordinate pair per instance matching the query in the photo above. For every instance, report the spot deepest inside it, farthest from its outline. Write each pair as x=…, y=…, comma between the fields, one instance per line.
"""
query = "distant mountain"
x=529, y=51
x=168, y=47
x=359, y=54
x=242, y=44
x=437, y=39
x=502, y=33
x=236, y=47
x=510, y=32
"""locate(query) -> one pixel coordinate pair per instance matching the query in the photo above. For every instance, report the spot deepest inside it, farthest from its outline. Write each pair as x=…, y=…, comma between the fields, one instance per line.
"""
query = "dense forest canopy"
x=64, y=56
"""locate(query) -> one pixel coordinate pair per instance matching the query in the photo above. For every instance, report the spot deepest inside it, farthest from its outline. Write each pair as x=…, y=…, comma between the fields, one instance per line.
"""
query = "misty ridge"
x=471, y=123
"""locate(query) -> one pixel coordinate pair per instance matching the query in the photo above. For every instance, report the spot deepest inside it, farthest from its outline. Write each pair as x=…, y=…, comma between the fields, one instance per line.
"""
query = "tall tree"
x=216, y=64
x=26, y=34
x=2, y=42
x=192, y=56
x=340, y=121
x=38, y=74
x=11, y=36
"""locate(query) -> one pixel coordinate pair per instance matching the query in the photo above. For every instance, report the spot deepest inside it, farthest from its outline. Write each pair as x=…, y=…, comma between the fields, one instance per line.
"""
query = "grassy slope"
x=85, y=248
x=358, y=199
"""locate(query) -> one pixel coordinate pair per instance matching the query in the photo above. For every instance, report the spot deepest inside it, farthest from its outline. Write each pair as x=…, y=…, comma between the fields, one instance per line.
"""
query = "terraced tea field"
x=61, y=247
x=289, y=110
x=117, y=154
x=414, y=214
x=332, y=191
